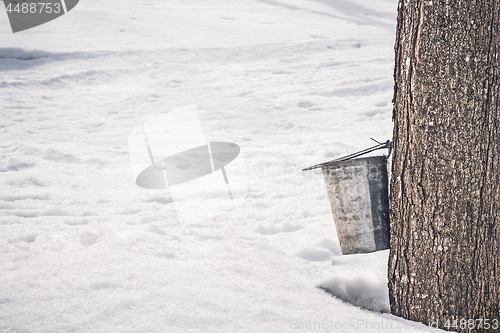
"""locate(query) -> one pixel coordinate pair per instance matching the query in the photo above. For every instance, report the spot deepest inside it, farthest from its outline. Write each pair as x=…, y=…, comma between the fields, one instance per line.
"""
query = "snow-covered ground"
x=292, y=82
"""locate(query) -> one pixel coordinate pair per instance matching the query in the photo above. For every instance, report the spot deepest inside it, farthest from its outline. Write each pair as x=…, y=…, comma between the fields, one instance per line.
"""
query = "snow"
x=293, y=83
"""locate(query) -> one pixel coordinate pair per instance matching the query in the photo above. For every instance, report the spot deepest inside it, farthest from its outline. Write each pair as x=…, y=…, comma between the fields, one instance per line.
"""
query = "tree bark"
x=444, y=261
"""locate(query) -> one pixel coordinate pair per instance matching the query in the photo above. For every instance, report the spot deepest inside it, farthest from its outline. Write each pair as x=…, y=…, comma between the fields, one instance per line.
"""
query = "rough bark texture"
x=445, y=188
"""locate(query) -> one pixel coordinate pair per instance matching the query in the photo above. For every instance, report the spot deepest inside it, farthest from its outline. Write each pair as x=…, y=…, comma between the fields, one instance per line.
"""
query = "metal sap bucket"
x=358, y=193
x=359, y=199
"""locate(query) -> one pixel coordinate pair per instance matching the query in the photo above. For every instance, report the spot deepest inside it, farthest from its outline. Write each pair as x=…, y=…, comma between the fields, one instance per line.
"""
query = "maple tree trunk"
x=444, y=261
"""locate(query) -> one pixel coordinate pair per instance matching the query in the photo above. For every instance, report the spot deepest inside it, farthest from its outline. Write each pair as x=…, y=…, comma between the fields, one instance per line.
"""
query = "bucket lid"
x=381, y=145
